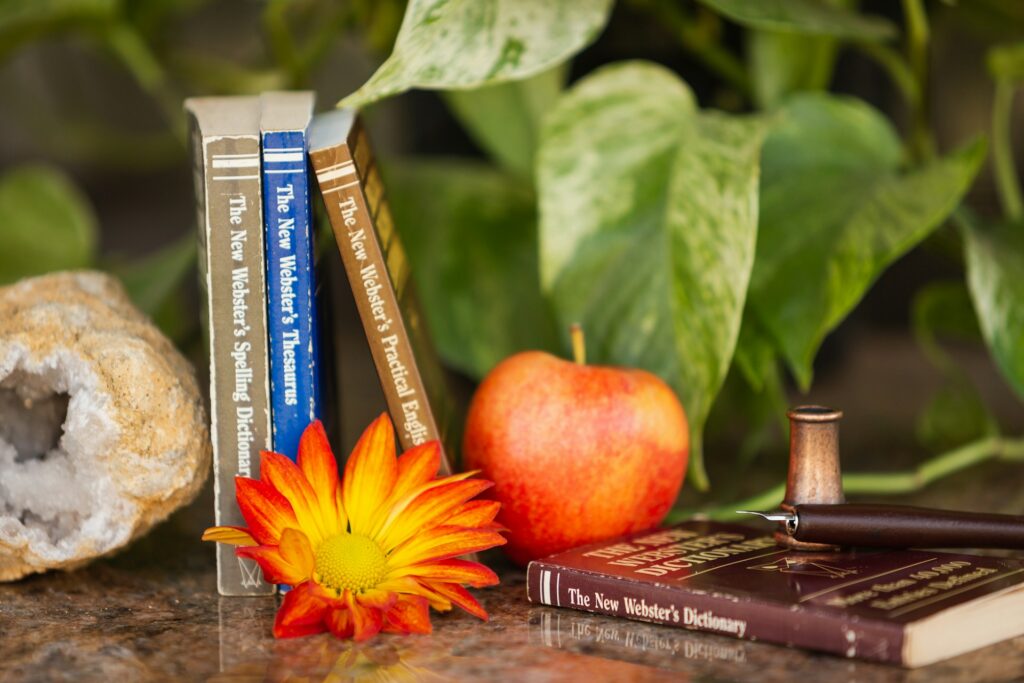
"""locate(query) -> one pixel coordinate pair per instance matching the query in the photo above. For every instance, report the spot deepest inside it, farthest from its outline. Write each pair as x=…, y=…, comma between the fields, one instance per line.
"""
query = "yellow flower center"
x=349, y=561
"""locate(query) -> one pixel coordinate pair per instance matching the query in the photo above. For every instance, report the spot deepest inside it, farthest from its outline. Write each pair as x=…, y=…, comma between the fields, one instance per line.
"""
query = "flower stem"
x=874, y=483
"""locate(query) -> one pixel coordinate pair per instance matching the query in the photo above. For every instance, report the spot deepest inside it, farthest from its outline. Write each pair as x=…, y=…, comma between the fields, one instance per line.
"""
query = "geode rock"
x=102, y=428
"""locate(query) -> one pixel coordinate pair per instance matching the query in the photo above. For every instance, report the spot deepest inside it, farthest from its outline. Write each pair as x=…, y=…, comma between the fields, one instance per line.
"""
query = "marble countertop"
x=153, y=614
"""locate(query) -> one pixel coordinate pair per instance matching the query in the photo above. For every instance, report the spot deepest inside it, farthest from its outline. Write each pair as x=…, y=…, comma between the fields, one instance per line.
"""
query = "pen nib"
x=770, y=516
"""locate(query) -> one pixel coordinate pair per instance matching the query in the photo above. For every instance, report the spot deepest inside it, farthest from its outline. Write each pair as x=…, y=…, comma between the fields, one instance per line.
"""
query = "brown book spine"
x=736, y=616
x=375, y=266
x=233, y=277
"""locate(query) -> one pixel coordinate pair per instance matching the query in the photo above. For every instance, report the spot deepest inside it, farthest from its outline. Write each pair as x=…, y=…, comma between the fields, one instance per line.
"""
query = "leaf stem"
x=1007, y=181
x=579, y=344
x=896, y=66
x=922, y=146
x=874, y=483
x=698, y=43
x=275, y=25
x=128, y=45
x=698, y=471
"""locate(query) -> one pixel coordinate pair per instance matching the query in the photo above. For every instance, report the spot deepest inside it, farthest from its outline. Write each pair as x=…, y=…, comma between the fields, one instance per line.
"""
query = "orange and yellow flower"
x=371, y=552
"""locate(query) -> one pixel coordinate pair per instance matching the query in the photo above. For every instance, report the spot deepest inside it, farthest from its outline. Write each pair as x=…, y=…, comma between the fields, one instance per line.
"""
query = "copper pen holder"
x=814, y=472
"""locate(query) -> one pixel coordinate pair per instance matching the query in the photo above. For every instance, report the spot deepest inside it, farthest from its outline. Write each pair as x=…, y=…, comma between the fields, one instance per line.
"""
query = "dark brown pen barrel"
x=906, y=527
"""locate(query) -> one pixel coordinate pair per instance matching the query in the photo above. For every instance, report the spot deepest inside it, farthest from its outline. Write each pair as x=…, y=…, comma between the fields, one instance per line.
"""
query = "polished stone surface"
x=152, y=614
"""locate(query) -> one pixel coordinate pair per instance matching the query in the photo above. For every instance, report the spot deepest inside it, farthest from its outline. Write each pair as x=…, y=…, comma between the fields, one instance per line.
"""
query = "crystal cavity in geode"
x=102, y=427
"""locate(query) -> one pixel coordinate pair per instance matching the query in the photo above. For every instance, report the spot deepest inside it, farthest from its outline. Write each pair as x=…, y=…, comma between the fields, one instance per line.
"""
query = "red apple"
x=577, y=453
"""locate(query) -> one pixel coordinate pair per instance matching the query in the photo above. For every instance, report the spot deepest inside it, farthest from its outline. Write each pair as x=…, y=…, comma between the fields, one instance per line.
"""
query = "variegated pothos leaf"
x=455, y=44
x=648, y=226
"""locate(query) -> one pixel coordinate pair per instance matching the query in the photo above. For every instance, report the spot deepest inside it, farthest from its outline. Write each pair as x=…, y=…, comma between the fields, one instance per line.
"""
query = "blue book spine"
x=291, y=289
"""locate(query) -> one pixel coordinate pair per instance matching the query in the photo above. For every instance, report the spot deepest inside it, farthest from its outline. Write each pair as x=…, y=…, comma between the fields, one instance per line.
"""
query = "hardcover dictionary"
x=225, y=135
x=378, y=275
x=905, y=607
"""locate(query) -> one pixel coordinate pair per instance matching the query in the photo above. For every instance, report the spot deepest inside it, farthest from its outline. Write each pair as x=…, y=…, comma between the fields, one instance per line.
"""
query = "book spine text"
x=747, y=619
x=234, y=280
x=370, y=278
x=291, y=287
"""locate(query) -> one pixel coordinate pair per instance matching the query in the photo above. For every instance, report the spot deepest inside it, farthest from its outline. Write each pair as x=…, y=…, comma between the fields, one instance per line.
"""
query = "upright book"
x=225, y=134
x=291, y=277
x=378, y=275
x=905, y=607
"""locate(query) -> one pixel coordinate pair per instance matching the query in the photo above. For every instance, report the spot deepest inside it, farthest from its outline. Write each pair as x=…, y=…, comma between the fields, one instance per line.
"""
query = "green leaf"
x=155, y=278
x=835, y=212
x=995, y=275
x=955, y=415
x=25, y=20
x=755, y=354
x=943, y=309
x=457, y=44
x=1006, y=62
x=804, y=16
x=648, y=226
x=46, y=224
x=504, y=119
x=783, y=63
x=471, y=234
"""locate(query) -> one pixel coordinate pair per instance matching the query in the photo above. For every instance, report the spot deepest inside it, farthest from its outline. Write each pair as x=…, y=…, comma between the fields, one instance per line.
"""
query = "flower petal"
x=475, y=513
x=285, y=476
x=317, y=462
x=370, y=475
x=396, y=506
x=450, y=571
x=382, y=600
x=232, y=535
x=265, y=510
x=366, y=621
x=441, y=543
x=275, y=568
x=429, y=509
x=409, y=614
x=461, y=597
x=407, y=585
x=297, y=551
x=290, y=563
x=302, y=612
x=339, y=622
x=416, y=467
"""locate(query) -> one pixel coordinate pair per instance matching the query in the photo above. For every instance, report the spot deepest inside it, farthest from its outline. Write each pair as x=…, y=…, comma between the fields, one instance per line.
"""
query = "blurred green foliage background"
x=712, y=188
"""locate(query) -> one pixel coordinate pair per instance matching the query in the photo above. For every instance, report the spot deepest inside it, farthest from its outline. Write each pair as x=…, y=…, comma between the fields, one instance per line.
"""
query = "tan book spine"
x=233, y=277
x=375, y=265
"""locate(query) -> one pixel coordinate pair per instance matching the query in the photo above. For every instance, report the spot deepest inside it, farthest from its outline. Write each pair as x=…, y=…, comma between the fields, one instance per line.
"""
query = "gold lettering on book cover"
x=682, y=552
x=942, y=589
x=805, y=567
x=872, y=577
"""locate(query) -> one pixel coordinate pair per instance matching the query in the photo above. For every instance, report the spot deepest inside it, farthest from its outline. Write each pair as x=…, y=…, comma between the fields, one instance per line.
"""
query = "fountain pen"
x=897, y=526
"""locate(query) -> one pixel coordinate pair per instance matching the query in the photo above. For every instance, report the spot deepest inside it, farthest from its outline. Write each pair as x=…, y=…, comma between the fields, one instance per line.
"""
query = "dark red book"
x=905, y=607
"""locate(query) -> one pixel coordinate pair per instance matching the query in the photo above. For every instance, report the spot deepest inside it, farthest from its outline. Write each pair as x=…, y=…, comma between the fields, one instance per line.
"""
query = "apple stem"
x=579, y=344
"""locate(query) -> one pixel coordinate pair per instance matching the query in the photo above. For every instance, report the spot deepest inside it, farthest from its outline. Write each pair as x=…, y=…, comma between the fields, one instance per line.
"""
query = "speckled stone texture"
x=153, y=614
x=102, y=428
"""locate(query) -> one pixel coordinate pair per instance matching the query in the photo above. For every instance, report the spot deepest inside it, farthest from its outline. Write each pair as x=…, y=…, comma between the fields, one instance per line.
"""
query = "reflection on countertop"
x=153, y=614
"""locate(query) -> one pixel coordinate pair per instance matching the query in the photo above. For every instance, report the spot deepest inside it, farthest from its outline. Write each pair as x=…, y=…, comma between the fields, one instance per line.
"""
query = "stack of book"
x=254, y=159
